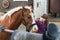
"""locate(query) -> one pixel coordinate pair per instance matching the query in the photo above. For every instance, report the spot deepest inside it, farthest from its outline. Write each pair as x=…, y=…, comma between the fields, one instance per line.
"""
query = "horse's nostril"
x=29, y=17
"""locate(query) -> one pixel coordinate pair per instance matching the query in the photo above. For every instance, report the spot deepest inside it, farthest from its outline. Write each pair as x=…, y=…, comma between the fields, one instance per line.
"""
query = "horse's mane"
x=10, y=12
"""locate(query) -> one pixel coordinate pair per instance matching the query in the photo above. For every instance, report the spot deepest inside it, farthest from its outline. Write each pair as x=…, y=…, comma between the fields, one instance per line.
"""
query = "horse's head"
x=16, y=16
x=26, y=17
x=20, y=16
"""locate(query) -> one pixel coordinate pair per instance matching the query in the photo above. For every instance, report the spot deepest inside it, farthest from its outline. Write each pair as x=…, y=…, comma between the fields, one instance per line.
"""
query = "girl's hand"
x=34, y=29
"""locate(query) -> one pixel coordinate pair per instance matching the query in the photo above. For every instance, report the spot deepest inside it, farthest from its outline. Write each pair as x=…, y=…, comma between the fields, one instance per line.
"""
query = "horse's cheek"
x=31, y=20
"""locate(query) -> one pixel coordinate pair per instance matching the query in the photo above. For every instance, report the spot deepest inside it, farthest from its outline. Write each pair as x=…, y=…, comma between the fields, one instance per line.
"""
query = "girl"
x=41, y=23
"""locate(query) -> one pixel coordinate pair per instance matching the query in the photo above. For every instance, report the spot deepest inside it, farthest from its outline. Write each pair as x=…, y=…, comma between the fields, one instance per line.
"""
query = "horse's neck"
x=16, y=20
x=2, y=17
x=9, y=13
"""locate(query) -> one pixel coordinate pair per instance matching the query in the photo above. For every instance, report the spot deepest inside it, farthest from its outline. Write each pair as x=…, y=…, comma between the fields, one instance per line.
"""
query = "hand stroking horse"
x=13, y=18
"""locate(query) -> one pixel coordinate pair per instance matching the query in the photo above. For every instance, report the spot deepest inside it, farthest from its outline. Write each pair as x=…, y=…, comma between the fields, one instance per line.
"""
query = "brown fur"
x=15, y=21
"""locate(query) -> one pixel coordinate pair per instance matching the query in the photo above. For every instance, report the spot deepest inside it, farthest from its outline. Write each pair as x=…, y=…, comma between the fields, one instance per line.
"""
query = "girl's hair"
x=45, y=16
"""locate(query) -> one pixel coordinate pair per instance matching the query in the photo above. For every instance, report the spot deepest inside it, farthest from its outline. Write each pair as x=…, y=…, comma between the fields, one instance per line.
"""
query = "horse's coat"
x=12, y=19
x=10, y=12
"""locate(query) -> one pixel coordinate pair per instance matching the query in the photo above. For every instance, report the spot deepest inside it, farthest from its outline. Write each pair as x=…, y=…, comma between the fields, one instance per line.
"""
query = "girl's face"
x=42, y=19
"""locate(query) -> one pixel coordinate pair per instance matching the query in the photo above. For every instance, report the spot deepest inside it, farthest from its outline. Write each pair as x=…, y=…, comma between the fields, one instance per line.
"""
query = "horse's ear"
x=23, y=7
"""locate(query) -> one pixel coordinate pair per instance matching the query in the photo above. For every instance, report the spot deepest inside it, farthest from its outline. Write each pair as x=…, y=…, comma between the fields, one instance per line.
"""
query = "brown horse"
x=12, y=20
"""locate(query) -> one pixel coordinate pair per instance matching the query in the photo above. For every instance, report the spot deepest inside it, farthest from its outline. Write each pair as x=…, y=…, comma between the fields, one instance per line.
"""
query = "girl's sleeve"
x=36, y=21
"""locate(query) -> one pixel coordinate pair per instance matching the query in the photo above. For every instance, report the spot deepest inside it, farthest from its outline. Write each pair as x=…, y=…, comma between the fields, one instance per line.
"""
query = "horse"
x=13, y=18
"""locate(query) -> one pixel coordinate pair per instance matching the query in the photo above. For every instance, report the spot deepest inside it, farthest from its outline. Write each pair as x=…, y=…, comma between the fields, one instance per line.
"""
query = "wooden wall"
x=13, y=4
x=54, y=6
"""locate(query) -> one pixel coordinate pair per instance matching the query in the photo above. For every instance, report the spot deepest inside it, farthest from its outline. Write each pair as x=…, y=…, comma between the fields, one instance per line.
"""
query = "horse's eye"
x=29, y=17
